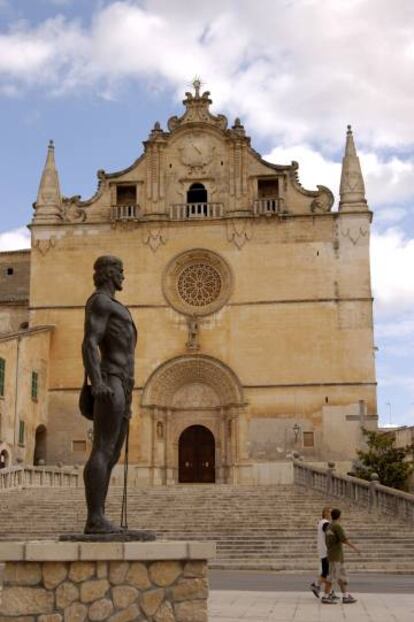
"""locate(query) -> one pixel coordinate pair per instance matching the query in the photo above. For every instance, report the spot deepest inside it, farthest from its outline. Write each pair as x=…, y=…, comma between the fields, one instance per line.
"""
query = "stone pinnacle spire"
x=351, y=189
x=48, y=206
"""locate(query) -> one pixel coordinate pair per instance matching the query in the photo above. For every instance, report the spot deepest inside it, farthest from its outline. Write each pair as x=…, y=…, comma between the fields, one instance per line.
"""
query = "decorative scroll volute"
x=197, y=111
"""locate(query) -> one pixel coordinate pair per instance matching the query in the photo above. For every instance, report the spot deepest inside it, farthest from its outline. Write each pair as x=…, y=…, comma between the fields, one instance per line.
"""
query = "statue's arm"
x=95, y=326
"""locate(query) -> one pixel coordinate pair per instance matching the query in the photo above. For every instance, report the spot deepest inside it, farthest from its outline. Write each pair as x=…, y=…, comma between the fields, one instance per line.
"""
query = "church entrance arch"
x=196, y=456
x=190, y=401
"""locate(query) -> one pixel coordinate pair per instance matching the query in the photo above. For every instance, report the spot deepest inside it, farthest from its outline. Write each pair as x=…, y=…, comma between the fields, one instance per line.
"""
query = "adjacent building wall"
x=14, y=290
x=24, y=352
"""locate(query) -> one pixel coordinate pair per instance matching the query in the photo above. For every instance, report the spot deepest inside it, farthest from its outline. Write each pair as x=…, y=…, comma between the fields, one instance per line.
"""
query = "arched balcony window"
x=196, y=201
x=197, y=194
x=196, y=206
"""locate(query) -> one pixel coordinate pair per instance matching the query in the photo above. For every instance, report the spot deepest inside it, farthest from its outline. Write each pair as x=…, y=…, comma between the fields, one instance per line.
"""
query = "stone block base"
x=93, y=582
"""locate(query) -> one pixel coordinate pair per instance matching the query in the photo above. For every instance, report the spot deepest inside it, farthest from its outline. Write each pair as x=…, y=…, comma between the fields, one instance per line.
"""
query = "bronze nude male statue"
x=108, y=352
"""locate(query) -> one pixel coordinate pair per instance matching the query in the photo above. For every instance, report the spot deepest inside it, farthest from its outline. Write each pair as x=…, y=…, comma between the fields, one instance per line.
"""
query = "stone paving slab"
x=236, y=606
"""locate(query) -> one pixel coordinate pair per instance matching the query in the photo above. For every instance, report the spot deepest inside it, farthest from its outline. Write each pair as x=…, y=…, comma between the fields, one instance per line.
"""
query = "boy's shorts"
x=337, y=572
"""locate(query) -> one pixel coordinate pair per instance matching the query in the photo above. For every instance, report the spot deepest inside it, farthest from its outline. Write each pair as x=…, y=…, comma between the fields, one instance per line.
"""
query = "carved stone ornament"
x=197, y=111
x=354, y=233
x=239, y=231
x=193, y=325
x=72, y=212
x=43, y=246
x=323, y=198
x=324, y=201
x=197, y=282
x=155, y=234
x=164, y=386
x=352, y=180
x=195, y=395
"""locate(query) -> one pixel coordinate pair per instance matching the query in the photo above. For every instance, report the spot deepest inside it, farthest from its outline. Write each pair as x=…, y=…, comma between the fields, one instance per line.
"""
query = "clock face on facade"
x=196, y=150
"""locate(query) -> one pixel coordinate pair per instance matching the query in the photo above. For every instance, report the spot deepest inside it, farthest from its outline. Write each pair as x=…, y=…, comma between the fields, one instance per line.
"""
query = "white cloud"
x=392, y=261
x=15, y=239
x=389, y=215
x=314, y=168
x=297, y=71
x=402, y=328
x=52, y=54
x=18, y=55
x=398, y=380
x=387, y=180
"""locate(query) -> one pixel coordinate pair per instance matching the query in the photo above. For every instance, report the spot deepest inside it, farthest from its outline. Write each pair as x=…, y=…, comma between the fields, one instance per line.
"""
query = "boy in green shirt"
x=335, y=538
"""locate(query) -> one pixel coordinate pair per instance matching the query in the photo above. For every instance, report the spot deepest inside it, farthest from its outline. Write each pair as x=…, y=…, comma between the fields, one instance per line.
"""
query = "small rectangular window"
x=79, y=446
x=268, y=188
x=126, y=195
x=35, y=385
x=9, y=271
x=2, y=374
x=21, y=432
x=308, y=439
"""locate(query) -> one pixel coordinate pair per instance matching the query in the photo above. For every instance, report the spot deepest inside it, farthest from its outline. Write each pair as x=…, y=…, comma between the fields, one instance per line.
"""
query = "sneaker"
x=334, y=596
x=315, y=588
x=328, y=600
x=348, y=599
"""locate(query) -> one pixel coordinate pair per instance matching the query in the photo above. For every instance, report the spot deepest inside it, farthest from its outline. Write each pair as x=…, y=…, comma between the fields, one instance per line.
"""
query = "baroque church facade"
x=251, y=295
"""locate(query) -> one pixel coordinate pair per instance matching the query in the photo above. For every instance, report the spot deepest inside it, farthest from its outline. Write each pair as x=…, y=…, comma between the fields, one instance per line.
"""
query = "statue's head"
x=108, y=268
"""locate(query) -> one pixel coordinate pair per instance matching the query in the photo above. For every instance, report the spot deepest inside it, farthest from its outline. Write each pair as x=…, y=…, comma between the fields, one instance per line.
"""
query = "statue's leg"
x=117, y=452
x=108, y=416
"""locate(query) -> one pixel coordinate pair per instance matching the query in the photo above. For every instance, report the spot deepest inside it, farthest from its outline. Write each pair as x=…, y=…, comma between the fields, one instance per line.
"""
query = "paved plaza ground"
x=381, y=598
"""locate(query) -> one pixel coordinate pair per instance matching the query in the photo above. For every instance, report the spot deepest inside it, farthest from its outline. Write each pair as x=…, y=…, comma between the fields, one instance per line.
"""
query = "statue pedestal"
x=51, y=581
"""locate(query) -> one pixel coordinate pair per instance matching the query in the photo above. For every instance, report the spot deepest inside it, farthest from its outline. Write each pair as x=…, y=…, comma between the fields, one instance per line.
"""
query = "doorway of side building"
x=196, y=456
x=4, y=459
x=40, y=445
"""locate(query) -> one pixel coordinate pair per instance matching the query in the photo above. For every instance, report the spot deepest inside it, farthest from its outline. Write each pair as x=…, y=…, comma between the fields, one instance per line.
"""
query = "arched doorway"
x=194, y=391
x=196, y=456
x=40, y=445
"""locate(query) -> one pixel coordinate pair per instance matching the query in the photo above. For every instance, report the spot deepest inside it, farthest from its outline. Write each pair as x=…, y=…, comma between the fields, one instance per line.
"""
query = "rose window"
x=199, y=284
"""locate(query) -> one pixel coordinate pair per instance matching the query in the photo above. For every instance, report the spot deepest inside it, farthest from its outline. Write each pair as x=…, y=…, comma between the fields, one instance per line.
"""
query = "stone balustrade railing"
x=125, y=212
x=17, y=477
x=371, y=495
x=268, y=206
x=186, y=211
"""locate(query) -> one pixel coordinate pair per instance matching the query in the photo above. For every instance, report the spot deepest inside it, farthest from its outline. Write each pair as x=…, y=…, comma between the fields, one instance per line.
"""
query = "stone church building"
x=251, y=295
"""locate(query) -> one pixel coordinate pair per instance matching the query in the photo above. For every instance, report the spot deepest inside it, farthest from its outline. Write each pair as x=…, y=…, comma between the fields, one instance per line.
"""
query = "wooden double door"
x=196, y=456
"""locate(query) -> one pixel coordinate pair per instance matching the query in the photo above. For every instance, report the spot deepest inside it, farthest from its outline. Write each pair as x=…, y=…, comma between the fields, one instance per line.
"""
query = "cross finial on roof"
x=197, y=84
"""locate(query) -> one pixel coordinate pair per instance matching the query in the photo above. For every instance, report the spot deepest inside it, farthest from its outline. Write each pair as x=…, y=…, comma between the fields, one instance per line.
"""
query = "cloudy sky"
x=94, y=76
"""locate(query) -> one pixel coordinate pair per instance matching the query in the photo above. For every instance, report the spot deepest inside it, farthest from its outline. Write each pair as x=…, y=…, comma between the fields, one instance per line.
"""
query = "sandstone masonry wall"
x=93, y=590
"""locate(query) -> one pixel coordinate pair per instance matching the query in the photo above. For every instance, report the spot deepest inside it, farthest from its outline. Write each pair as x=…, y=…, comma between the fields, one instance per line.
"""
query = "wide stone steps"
x=267, y=527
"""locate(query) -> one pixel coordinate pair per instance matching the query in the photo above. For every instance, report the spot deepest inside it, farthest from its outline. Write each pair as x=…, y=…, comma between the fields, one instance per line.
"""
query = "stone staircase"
x=261, y=527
